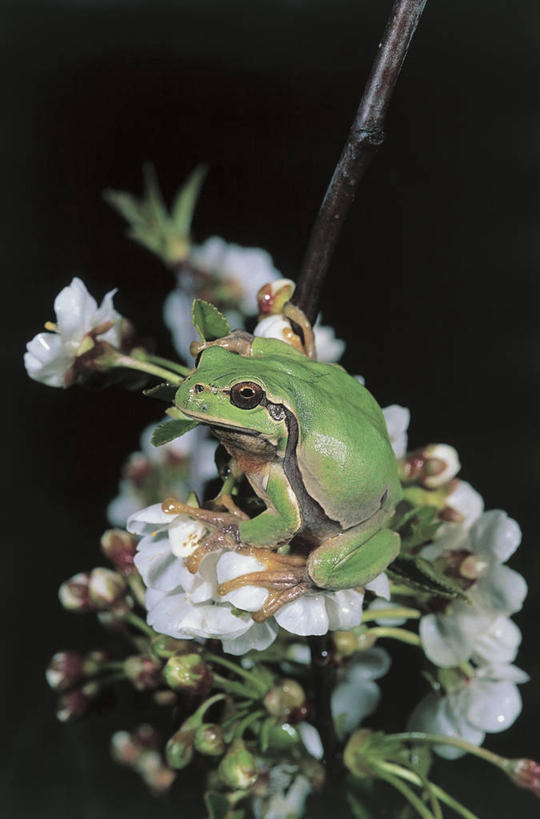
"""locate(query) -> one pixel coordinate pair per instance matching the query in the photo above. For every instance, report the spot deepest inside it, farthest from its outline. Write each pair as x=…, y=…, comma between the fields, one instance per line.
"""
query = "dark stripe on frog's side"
x=316, y=525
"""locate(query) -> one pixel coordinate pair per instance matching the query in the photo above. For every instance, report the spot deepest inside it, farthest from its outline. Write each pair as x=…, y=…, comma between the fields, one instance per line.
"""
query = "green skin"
x=315, y=449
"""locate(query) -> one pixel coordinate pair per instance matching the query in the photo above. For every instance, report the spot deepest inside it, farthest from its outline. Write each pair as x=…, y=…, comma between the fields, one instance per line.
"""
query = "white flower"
x=481, y=630
x=397, y=422
x=50, y=356
x=357, y=695
x=185, y=605
x=225, y=274
x=287, y=794
x=329, y=348
x=246, y=269
x=489, y=702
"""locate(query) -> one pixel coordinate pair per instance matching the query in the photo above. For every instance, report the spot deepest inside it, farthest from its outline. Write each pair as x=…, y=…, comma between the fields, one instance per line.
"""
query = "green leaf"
x=421, y=575
x=208, y=321
x=162, y=392
x=170, y=430
x=186, y=199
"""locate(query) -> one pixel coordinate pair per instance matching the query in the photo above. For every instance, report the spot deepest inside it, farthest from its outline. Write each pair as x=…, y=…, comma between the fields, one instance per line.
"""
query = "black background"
x=434, y=286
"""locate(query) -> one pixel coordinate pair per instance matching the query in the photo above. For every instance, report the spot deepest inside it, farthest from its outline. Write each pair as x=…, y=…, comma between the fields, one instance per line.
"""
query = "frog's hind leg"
x=353, y=557
x=284, y=577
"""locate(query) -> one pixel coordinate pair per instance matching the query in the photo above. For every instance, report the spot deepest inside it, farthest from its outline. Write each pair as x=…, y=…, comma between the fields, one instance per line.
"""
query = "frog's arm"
x=280, y=521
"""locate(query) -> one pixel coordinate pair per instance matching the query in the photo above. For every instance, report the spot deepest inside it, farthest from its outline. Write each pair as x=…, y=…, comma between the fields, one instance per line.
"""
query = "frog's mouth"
x=213, y=422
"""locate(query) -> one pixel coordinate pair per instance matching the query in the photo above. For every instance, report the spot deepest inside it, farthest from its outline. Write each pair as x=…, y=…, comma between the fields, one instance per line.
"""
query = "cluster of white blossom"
x=230, y=276
x=50, y=356
x=185, y=605
x=474, y=642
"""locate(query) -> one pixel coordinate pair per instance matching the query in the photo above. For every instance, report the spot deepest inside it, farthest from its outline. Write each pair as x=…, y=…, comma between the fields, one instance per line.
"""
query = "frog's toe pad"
x=285, y=579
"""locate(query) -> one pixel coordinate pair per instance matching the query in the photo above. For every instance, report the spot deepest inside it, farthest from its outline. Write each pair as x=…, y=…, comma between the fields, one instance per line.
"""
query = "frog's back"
x=343, y=451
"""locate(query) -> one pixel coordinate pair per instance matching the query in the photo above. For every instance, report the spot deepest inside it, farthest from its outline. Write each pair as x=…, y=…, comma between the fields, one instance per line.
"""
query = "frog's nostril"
x=199, y=387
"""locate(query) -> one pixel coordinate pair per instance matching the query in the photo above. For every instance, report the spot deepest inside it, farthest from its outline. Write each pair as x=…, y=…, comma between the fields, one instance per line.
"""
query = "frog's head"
x=229, y=391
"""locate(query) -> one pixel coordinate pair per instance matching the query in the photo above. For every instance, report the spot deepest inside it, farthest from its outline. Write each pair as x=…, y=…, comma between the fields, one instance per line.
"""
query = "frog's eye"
x=246, y=395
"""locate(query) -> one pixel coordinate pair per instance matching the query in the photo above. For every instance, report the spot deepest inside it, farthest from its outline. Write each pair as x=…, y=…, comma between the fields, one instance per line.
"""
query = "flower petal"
x=75, y=309
x=177, y=317
x=158, y=567
x=258, y=637
x=47, y=360
x=370, y=664
x=498, y=643
x=304, y=616
x=443, y=641
x=434, y=715
x=397, y=422
x=380, y=586
x=311, y=739
x=351, y=702
x=495, y=535
x=185, y=534
x=493, y=706
x=500, y=589
x=149, y=520
x=344, y=609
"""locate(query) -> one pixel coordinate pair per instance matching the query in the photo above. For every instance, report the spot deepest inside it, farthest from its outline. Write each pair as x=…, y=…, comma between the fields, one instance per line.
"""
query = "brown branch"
x=365, y=137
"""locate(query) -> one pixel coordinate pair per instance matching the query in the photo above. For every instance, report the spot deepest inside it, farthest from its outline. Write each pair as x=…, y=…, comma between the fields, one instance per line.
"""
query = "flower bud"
x=525, y=773
x=345, y=642
x=278, y=327
x=272, y=297
x=166, y=647
x=189, y=673
x=432, y=467
x=238, y=768
x=74, y=593
x=146, y=735
x=209, y=739
x=179, y=749
x=119, y=547
x=144, y=673
x=74, y=704
x=284, y=698
x=356, y=754
x=65, y=669
x=124, y=748
x=156, y=775
x=106, y=587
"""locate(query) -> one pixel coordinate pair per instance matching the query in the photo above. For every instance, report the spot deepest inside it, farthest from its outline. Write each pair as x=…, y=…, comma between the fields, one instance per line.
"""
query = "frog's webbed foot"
x=284, y=577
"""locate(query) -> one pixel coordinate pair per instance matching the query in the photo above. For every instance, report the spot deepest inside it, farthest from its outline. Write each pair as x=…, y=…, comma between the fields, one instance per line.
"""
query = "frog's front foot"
x=285, y=577
x=223, y=527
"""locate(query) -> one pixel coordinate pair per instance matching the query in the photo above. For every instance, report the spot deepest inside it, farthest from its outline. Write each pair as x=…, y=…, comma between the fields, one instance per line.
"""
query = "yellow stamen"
x=50, y=325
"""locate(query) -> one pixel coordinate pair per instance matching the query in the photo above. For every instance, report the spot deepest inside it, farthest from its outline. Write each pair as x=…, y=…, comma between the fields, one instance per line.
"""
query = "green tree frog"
x=313, y=444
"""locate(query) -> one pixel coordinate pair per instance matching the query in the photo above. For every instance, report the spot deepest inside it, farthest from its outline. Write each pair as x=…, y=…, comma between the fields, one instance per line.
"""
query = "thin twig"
x=365, y=137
